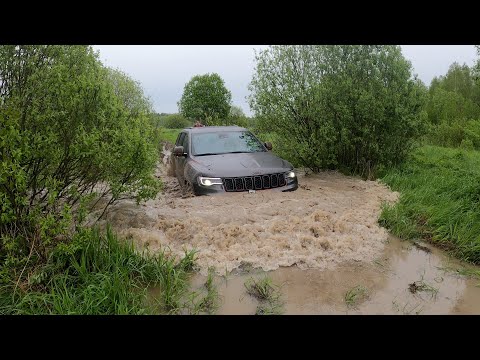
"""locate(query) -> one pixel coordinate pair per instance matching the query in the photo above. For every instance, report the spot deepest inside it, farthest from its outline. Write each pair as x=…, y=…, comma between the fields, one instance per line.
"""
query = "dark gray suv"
x=217, y=159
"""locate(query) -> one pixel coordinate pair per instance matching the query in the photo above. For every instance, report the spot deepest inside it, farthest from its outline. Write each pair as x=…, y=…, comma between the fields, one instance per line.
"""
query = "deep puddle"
x=386, y=280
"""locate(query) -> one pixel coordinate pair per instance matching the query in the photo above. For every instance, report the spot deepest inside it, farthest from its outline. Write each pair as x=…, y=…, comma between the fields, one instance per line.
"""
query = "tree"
x=206, y=98
x=71, y=131
x=454, y=97
x=476, y=67
x=353, y=107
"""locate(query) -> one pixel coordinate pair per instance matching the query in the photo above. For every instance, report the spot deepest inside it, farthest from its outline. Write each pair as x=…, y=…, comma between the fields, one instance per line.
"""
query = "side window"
x=185, y=143
x=180, y=138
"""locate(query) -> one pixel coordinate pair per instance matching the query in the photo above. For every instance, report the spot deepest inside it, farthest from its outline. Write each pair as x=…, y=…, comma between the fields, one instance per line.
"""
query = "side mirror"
x=178, y=151
x=268, y=145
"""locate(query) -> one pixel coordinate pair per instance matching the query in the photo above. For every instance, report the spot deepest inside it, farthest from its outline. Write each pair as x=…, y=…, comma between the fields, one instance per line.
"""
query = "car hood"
x=244, y=164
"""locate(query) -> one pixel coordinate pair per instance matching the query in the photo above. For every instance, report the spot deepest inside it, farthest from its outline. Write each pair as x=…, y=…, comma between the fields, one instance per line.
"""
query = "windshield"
x=225, y=142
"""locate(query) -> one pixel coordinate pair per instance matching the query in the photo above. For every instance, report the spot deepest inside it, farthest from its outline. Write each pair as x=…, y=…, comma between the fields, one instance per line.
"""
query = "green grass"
x=440, y=200
x=97, y=274
x=355, y=295
x=268, y=295
x=169, y=135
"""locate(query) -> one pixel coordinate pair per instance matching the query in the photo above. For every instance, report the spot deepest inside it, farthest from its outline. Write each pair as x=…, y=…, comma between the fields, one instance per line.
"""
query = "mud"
x=387, y=280
x=329, y=220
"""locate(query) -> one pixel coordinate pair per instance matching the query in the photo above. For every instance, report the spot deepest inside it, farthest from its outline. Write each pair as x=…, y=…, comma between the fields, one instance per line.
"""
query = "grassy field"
x=169, y=135
x=440, y=200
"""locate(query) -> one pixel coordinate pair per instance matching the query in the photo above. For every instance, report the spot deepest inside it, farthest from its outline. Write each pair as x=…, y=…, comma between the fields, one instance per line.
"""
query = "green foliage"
x=237, y=117
x=456, y=133
x=453, y=101
x=476, y=67
x=448, y=106
x=440, y=200
x=98, y=274
x=71, y=131
x=353, y=107
x=459, y=80
x=206, y=98
x=171, y=121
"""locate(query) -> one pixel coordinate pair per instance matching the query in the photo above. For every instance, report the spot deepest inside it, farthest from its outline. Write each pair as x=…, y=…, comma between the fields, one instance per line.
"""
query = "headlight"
x=208, y=181
x=290, y=174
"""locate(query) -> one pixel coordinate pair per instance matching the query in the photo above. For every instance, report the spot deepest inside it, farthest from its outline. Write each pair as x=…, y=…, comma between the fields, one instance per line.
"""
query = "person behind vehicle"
x=198, y=124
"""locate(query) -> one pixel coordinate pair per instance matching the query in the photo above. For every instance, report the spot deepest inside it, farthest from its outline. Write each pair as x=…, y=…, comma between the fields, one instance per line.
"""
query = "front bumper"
x=292, y=185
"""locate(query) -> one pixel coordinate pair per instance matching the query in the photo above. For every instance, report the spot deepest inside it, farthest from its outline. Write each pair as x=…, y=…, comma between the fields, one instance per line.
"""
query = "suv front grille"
x=254, y=182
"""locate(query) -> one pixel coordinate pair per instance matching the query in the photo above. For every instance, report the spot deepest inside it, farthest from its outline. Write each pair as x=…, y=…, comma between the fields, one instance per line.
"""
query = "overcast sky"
x=163, y=70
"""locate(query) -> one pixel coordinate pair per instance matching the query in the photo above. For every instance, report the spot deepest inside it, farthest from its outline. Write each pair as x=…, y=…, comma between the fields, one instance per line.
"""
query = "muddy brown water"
x=316, y=243
x=386, y=281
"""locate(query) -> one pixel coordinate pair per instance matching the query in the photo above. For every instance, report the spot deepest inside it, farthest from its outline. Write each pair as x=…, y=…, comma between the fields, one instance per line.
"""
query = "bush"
x=459, y=133
x=171, y=121
x=351, y=107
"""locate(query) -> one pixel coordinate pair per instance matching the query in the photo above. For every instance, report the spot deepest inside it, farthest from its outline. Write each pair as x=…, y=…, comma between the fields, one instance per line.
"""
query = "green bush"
x=350, y=107
x=455, y=134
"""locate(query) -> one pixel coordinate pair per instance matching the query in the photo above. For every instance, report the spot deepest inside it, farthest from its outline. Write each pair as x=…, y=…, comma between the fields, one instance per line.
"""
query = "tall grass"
x=440, y=200
x=99, y=274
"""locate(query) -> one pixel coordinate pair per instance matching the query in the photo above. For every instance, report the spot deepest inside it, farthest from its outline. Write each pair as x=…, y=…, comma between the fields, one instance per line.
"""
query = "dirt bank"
x=329, y=220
